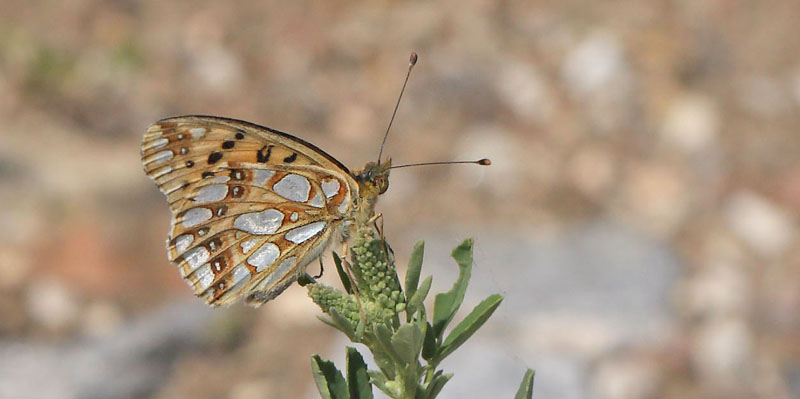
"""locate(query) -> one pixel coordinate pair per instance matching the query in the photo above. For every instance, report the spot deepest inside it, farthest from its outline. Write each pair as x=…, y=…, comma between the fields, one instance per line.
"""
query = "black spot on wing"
x=262, y=156
x=214, y=157
x=290, y=158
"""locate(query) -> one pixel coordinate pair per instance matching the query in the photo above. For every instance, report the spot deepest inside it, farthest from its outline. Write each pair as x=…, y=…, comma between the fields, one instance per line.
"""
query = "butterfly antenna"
x=482, y=162
x=411, y=62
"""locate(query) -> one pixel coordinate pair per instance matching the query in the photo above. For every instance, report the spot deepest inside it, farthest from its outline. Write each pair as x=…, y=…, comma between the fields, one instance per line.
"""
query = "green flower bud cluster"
x=327, y=298
x=376, y=276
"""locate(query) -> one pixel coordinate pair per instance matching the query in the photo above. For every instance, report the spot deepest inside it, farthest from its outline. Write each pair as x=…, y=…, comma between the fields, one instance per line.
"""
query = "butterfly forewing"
x=250, y=205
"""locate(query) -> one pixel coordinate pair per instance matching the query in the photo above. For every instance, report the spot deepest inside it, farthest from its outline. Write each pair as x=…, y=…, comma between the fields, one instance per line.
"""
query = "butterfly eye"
x=382, y=183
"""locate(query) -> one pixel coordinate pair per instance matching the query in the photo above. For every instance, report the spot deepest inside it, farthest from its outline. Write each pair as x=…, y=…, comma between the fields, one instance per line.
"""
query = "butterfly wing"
x=251, y=206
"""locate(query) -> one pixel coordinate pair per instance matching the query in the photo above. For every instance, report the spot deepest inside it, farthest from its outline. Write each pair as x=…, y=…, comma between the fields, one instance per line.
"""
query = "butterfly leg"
x=321, y=268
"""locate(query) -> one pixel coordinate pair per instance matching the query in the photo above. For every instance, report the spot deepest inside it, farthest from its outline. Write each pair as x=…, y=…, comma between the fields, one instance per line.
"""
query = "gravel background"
x=641, y=214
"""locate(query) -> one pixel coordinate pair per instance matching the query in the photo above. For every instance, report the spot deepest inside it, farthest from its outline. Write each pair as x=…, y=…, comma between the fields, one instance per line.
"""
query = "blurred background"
x=640, y=216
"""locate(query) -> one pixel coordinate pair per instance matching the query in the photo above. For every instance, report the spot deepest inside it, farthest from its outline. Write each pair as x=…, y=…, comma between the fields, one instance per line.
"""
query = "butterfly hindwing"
x=250, y=205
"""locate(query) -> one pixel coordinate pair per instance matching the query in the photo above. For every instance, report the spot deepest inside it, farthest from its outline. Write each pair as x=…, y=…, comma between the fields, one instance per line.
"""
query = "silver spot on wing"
x=264, y=256
x=293, y=187
x=266, y=222
x=300, y=234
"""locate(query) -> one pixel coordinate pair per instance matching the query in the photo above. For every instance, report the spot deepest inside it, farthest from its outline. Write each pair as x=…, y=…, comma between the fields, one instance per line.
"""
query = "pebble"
x=762, y=224
x=52, y=305
x=523, y=88
x=692, y=122
x=626, y=377
x=722, y=353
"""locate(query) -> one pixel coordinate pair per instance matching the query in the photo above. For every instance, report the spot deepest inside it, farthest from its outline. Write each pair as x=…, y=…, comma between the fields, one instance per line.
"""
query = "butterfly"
x=251, y=206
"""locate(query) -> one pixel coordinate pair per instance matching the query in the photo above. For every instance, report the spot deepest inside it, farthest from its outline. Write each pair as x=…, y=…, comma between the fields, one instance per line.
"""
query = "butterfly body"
x=252, y=206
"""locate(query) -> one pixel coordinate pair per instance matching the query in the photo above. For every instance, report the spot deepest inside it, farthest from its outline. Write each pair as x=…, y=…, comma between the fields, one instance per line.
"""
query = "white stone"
x=627, y=378
x=293, y=187
x=51, y=304
x=593, y=65
x=195, y=216
x=759, y=222
x=300, y=234
x=524, y=90
x=265, y=222
x=264, y=256
x=692, y=122
x=718, y=289
x=722, y=352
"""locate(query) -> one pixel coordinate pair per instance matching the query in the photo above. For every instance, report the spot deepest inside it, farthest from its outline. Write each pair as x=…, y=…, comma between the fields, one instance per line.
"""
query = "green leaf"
x=407, y=342
x=384, y=362
x=305, y=279
x=342, y=324
x=526, y=387
x=429, y=347
x=414, y=268
x=329, y=380
x=437, y=384
x=379, y=380
x=384, y=338
x=342, y=274
x=357, y=378
x=419, y=296
x=446, y=305
x=469, y=325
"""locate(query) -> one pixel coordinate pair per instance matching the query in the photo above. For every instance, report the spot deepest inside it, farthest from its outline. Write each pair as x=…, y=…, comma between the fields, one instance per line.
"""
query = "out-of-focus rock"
x=51, y=304
x=760, y=223
x=504, y=178
x=251, y=389
x=133, y=362
x=719, y=290
x=594, y=65
x=692, y=122
x=592, y=170
x=217, y=68
x=656, y=196
x=722, y=353
x=100, y=319
x=626, y=377
x=14, y=267
x=596, y=74
x=763, y=96
x=523, y=88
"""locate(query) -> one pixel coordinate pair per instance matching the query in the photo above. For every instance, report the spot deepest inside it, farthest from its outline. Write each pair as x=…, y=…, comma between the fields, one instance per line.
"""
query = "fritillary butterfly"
x=252, y=206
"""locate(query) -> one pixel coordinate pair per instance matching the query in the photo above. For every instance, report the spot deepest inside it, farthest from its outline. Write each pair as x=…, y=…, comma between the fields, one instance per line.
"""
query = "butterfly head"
x=373, y=179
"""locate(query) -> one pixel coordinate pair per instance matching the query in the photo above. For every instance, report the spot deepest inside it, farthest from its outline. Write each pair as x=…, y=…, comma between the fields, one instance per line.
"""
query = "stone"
x=762, y=224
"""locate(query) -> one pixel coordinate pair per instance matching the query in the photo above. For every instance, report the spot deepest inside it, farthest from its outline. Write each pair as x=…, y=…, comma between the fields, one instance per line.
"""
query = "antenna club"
x=484, y=162
x=413, y=60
